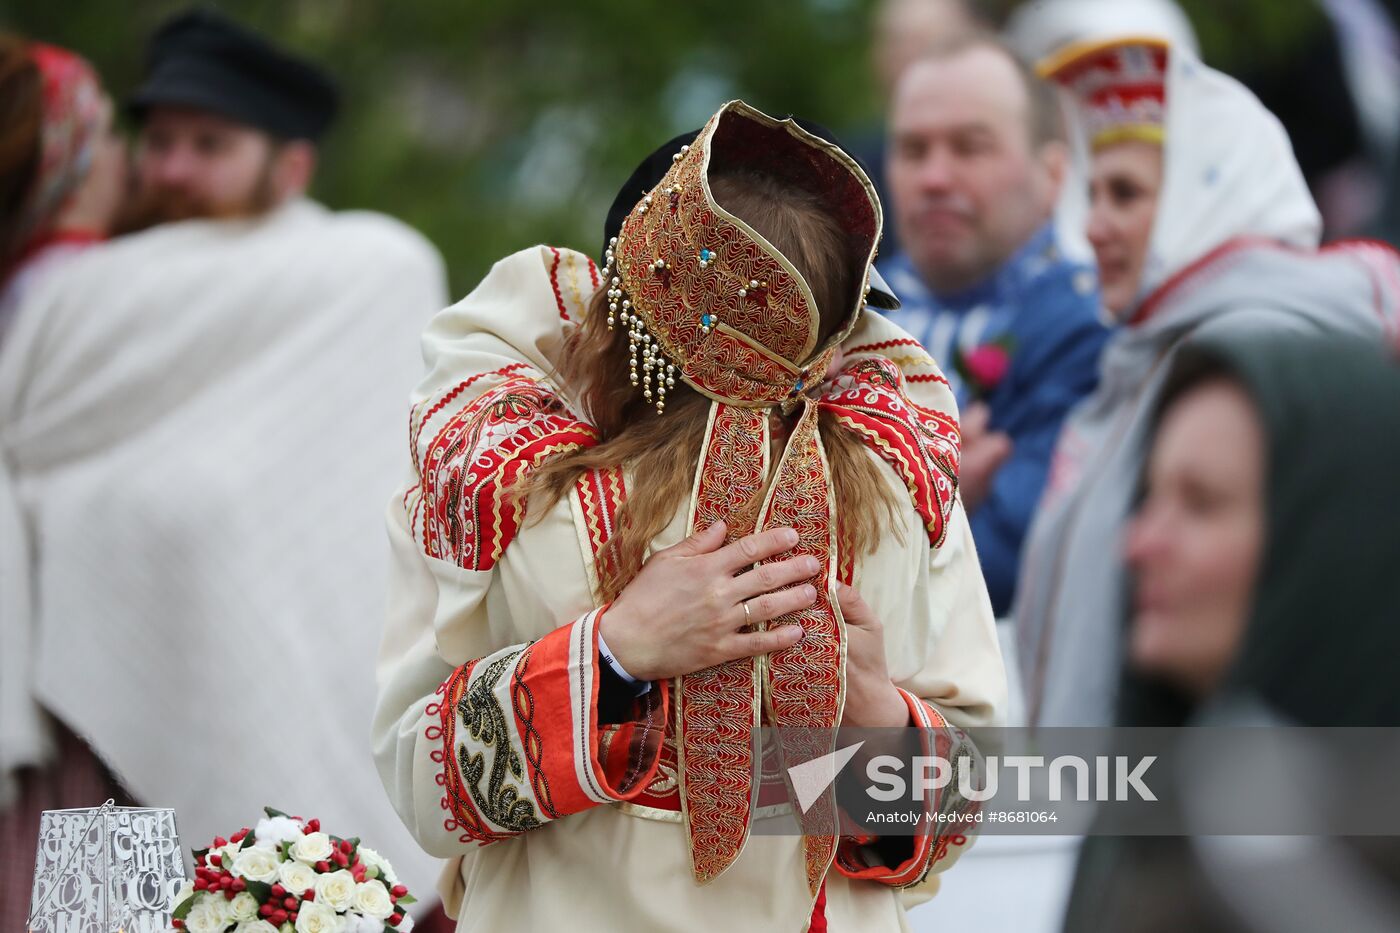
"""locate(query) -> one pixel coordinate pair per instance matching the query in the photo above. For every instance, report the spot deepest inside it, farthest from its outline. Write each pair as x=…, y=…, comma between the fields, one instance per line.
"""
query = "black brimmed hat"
x=204, y=60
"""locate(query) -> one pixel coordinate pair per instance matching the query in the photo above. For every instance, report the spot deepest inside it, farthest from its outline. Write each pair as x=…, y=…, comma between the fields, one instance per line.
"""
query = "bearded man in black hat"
x=228, y=123
x=192, y=461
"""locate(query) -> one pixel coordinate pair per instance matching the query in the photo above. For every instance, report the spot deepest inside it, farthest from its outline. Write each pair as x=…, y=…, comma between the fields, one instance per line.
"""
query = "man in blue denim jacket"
x=976, y=158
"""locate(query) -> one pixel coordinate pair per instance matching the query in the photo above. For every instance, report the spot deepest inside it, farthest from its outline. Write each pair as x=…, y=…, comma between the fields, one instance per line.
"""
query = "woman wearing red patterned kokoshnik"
x=1202, y=227
x=653, y=506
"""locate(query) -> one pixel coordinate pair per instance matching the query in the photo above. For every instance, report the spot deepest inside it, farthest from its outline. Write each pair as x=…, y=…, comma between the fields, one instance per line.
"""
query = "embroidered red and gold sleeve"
x=519, y=738
x=946, y=838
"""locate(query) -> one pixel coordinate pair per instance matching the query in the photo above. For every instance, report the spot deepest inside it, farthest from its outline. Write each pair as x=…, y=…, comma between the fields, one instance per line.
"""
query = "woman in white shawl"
x=1201, y=224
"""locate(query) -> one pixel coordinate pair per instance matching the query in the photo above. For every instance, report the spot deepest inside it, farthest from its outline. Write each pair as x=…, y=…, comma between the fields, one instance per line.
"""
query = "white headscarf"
x=1038, y=29
x=1228, y=170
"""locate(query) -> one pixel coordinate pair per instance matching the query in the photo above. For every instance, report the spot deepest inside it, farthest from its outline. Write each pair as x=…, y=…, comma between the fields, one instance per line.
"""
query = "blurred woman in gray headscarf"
x=1263, y=555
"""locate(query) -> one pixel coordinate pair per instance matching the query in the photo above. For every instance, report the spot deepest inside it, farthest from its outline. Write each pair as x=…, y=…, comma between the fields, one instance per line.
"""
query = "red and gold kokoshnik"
x=706, y=297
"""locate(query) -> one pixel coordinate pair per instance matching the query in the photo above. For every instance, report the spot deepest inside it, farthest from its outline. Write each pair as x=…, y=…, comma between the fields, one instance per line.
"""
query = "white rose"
x=244, y=906
x=362, y=924
x=336, y=890
x=275, y=829
x=372, y=900
x=312, y=848
x=316, y=918
x=227, y=910
x=219, y=909
x=256, y=864
x=296, y=877
x=255, y=926
x=376, y=862
x=205, y=918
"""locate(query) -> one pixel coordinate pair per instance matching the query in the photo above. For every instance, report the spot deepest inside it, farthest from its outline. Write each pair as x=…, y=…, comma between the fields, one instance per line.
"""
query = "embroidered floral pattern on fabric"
x=481, y=449
x=480, y=713
x=419, y=418
x=458, y=798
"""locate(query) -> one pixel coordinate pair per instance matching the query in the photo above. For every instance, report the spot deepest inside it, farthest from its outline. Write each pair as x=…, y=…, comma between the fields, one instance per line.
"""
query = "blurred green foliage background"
x=490, y=124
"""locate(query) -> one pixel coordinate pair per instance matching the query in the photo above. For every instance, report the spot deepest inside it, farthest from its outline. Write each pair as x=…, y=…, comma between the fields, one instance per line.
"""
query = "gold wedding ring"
x=748, y=616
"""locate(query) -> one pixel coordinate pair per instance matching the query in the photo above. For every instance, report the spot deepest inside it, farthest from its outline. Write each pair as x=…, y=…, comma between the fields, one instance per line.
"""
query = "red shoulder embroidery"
x=920, y=443
x=479, y=451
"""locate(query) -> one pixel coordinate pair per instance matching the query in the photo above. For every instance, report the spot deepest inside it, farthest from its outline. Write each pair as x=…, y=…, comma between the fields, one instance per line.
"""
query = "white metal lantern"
x=106, y=869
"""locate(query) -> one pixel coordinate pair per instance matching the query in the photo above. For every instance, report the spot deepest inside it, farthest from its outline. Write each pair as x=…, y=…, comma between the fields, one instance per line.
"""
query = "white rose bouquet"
x=286, y=876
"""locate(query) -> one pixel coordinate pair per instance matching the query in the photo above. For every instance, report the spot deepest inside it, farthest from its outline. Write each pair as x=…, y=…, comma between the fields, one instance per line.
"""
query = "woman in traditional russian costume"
x=1202, y=226
x=657, y=505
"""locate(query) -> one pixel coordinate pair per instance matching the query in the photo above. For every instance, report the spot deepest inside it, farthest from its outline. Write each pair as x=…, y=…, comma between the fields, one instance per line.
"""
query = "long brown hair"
x=662, y=450
x=21, y=115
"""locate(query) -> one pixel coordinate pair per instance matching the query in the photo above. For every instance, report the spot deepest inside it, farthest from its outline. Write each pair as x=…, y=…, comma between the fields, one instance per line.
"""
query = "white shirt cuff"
x=640, y=686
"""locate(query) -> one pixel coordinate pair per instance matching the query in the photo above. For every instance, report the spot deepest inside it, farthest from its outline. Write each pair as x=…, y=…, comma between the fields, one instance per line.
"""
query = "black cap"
x=204, y=60
x=654, y=167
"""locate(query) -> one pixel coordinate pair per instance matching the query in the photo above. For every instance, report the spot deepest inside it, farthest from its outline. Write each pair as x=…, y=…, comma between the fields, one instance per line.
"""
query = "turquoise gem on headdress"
x=706, y=320
x=706, y=255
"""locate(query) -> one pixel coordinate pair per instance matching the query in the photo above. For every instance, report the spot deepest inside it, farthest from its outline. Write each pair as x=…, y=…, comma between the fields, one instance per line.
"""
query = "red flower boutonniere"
x=983, y=367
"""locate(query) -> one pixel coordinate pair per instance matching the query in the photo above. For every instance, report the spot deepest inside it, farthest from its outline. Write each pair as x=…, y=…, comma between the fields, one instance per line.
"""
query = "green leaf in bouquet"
x=407, y=899
x=259, y=889
x=182, y=909
x=273, y=814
